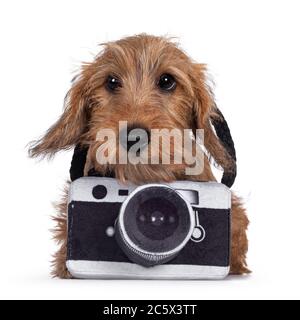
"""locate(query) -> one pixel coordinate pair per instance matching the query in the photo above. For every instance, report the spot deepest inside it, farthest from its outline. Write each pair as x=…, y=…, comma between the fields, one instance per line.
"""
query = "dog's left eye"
x=167, y=82
x=113, y=83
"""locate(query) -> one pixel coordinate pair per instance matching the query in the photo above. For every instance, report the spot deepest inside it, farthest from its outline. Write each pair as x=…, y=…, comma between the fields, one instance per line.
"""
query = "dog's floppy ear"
x=217, y=138
x=68, y=129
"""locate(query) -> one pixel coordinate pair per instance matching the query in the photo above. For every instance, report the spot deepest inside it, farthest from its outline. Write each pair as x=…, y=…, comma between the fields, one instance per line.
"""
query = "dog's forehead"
x=145, y=54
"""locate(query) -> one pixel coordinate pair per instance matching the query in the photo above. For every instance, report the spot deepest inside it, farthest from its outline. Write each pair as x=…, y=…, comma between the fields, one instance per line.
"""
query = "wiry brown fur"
x=139, y=61
x=59, y=268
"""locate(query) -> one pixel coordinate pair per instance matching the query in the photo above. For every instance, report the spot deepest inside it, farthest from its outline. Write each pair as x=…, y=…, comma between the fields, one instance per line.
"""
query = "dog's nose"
x=135, y=134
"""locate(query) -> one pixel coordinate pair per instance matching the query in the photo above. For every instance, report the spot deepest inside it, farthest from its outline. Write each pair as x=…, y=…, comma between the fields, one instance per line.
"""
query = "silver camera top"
x=198, y=194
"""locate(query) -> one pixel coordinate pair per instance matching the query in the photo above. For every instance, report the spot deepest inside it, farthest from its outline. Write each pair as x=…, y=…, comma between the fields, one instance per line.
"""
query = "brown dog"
x=149, y=82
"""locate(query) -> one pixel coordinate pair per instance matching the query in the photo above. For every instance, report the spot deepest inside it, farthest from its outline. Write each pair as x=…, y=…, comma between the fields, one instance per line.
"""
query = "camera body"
x=93, y=249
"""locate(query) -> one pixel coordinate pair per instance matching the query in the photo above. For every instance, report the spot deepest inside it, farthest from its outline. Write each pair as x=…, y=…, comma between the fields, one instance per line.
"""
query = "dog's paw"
x=61, y=272
x=239, y=269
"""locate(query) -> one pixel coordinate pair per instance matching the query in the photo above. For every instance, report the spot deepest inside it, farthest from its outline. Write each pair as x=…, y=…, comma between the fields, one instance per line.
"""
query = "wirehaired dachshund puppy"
x=150, y=83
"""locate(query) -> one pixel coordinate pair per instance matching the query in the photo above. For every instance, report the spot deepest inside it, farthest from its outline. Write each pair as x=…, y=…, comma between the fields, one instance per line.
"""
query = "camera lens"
x=154, y=224
x=157, y=218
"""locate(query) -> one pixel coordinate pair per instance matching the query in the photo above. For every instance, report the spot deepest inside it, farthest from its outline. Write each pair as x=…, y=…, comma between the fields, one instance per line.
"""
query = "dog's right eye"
x=167, y=82
x=113, y=83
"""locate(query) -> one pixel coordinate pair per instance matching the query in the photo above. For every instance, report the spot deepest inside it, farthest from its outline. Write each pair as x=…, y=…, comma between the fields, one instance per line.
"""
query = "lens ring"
x=131, y=238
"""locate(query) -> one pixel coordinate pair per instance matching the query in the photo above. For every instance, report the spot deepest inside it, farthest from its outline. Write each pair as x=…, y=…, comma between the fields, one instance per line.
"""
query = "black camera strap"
x=223, y=133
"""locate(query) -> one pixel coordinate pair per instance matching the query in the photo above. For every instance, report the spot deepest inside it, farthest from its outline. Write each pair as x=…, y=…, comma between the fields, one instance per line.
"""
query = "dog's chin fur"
x=150, y=173
x=141, y=174
x=138, y=62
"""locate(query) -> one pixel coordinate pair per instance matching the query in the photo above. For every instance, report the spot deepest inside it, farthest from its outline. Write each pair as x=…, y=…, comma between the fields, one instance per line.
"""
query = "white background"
x=253, y=52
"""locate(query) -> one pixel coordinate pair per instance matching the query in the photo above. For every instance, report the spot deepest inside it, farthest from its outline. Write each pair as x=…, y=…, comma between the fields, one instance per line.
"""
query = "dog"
x=149, y=82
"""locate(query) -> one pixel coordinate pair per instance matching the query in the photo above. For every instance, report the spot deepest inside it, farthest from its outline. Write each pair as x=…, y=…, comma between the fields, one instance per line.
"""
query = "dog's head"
x=148, y=82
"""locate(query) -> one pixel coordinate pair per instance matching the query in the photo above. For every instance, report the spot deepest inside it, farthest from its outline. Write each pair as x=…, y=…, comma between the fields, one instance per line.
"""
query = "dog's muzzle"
x=134, y=134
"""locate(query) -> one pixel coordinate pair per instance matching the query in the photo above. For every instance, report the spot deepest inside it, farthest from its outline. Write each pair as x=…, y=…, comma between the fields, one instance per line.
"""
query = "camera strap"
x=222, y=131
